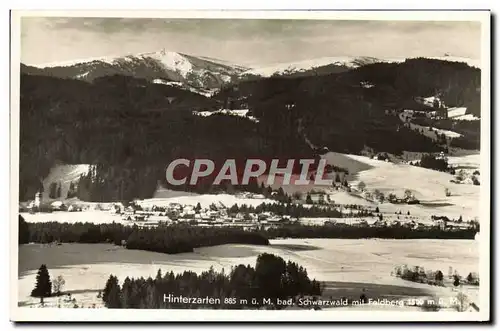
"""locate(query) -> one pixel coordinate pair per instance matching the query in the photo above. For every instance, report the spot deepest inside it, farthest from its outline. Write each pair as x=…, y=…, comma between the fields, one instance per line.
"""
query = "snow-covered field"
x=347, y=266
x=91, y=216
x=205, y=200
x=456, y=111
x=467, y=117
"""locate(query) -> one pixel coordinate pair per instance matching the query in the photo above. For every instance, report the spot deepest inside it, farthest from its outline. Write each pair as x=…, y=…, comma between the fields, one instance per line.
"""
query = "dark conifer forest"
x=243, y=287
x=131, y=128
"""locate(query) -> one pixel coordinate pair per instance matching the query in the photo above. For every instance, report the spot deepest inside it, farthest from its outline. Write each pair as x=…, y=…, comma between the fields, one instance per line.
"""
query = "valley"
x=96, y=137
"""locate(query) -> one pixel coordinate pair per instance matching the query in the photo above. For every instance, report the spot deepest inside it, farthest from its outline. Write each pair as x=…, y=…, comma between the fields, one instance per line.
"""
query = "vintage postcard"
x=250, y=166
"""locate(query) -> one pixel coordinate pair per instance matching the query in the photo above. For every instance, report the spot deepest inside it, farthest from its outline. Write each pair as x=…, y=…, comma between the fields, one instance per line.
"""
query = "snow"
x=91, y=216
x=68, y=63
x=64, y=174
x=367, y=85
x=429, y=101
x=426, y=184
x=205, y=200
x=448, y=133
x=173, y=61
x=85, y=74
x=183, y=86
x=469, y=161
x=280, y=68
x=467, y=117
x=234, y=112
x=456, y=111
x=346, y=266
x=426, y=130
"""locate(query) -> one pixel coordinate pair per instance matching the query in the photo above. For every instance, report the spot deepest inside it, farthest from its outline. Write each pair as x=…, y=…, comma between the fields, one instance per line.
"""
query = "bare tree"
x=461, y=302
x=58, y=284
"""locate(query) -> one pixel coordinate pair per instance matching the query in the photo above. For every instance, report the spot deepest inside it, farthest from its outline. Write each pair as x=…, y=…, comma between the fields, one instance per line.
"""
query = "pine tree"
x=107, y=288
x=58, y=194
x=43, y=286
x=309, y=199
x=112, y=293
x=456, y=280
x=114, y=298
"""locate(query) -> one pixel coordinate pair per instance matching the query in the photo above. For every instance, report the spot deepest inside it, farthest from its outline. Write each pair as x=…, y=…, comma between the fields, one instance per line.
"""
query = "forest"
x=244, y=287
x=172, y=239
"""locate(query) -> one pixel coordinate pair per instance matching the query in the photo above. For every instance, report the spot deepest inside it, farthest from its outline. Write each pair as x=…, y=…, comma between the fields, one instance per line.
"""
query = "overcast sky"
x=247, y=42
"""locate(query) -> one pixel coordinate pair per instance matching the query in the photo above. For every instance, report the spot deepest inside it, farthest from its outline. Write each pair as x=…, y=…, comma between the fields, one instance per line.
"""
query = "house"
x=318, y=197
x=379, y=224
x=57, y=206
x=362, y=224
x=442, y=224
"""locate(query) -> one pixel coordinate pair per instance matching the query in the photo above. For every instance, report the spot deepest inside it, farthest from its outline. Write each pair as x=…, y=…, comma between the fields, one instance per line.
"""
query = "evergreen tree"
x=309, y=199
x=43, y=286
x=114, y=297
x=456, y=280
x=112, y=293
x=58, y=194
x=439, y=276
x=197, y=209
x=53, y=191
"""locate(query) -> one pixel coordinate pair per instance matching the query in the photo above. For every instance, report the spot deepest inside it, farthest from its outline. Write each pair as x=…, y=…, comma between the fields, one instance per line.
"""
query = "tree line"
x=295, y=210
x=244, y=287
x=164, y=239
x=179, y=238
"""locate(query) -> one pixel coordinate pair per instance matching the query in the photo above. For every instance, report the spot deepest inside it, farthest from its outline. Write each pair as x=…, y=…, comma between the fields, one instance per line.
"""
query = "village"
x=318, y=209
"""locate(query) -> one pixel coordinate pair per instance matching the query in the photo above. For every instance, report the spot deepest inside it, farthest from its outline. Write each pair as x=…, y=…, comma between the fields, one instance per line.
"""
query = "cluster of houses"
x=216, y=216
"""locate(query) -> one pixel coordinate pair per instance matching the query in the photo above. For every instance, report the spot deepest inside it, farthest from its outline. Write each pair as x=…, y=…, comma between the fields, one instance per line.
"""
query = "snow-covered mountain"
x=335, y=64
x=283, y=69
x=198, y=72
x=201, y=74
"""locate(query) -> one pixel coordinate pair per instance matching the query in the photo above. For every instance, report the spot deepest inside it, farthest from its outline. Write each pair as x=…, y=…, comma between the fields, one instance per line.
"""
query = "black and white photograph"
x=316, y=166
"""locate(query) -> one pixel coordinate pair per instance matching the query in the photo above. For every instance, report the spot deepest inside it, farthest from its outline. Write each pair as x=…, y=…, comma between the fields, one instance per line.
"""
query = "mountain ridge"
x=204, y=72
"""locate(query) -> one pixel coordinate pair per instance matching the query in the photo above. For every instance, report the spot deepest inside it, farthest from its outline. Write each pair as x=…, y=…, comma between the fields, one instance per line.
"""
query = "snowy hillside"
x=199, y=72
